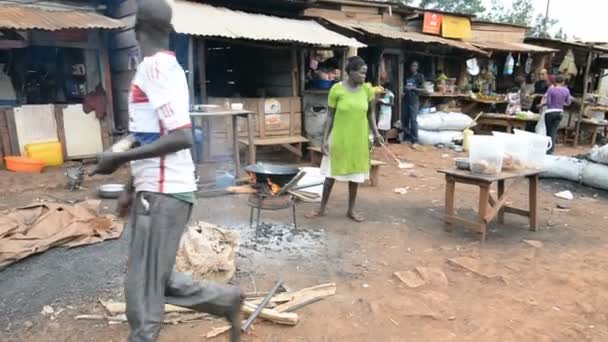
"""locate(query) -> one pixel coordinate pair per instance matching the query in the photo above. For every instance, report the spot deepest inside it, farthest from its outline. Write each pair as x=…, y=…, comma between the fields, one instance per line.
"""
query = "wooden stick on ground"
x=260, y=307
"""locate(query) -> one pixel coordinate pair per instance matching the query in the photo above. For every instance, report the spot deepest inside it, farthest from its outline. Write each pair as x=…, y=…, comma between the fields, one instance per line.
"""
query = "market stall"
x=258, y=63
x=53, y=70
x=585, y=69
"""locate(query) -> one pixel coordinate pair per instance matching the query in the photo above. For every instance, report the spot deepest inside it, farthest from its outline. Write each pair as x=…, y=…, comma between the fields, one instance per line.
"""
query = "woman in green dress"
x=346, y=138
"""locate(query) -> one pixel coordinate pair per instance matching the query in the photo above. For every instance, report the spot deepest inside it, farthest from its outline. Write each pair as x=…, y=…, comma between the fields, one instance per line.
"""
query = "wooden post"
x=294, y=72
x=484, y=201
x=450, y=188
x=577, y=131
x=191, y=42
x=501, y=192
x=106, y=83
x=533, y=194
x=202, y=72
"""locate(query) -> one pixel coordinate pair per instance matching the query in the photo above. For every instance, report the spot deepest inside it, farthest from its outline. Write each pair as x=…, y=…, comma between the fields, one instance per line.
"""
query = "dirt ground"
x=557, y=291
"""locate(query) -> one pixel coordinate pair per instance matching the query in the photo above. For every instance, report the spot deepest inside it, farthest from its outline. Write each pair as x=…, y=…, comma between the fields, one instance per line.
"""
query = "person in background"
x=411, y=105
x=387, y=102
x=346, y=150
x=162, y=188
x=540, y=89
x=557, y=98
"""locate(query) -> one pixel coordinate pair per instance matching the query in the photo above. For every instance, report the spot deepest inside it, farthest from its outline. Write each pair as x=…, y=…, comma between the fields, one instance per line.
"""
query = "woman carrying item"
x=346, y=150
x=558, y=97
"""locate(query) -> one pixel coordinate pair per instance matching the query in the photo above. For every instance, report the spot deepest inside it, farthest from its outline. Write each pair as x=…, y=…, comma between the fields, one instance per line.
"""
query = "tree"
x=456, y=6
x=520, y=13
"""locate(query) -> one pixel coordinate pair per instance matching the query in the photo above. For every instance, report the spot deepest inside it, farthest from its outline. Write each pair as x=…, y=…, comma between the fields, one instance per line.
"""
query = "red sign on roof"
x=432, y=23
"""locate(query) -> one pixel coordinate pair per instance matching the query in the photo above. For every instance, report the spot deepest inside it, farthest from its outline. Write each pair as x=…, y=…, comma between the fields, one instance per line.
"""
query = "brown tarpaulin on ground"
x=38, y=227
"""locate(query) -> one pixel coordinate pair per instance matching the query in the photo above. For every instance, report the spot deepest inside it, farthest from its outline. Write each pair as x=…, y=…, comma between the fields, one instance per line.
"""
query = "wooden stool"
x=315, y=155
x=374, y=172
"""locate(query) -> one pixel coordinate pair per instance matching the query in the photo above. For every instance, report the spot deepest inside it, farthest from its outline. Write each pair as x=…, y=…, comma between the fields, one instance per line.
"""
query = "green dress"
x=349, y=146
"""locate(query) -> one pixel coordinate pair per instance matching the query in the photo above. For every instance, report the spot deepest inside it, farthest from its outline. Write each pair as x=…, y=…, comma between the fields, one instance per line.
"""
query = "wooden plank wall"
x=484, y=32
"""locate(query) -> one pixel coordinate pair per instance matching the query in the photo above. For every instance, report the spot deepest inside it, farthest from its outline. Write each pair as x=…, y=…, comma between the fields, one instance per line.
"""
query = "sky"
x=585, y=19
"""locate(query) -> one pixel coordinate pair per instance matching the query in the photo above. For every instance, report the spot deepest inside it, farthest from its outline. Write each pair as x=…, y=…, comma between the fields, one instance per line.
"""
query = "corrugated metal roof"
x=23, y=17
x=564, y=43
x=205, y=20
x=397, y=33
x=512, y=47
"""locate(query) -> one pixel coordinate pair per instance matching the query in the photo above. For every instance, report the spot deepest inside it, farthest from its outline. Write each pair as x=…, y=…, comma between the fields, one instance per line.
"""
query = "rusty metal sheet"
x=209, y=21
x=512, y=47
x=397, y=33
x=24, y=17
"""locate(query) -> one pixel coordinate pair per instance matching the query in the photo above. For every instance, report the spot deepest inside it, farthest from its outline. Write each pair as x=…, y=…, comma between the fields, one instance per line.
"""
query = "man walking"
x=411, y=105
x=164, y=185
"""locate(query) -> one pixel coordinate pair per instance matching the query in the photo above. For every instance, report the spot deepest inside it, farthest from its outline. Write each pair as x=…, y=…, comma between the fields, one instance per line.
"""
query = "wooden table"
x=490, y=208
x=234, y=114
x=509, y=122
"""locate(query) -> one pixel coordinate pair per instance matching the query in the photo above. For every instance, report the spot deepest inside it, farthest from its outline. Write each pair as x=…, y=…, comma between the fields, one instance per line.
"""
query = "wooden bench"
x=316, y=155
x=595, y=126
x=292, y=144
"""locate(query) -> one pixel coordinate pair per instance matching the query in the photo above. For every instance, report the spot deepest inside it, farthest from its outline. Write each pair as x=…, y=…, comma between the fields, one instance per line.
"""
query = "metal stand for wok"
x=273, y=203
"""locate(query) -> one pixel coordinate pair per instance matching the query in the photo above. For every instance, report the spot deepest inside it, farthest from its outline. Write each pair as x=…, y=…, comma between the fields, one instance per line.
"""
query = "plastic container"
x=51, y=153
x=537, y=146
x=322, y=84
x=23, y=164
x=223, y=179
x=516, y=151
x=486, y=154
x=466, y=139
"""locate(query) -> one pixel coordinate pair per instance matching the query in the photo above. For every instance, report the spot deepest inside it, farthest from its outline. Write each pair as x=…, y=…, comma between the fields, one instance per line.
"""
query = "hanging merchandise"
x=518, y=60
x=493, y=67
x=568, y=65
x=509, y=63
x=472, y=67
x=528, y=66
x=383, y=73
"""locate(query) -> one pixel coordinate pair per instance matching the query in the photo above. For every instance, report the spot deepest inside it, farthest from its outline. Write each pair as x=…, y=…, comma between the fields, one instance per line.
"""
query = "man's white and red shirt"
x=158, y=104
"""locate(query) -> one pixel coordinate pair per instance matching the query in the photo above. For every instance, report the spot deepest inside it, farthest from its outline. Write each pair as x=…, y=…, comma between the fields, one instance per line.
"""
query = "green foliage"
x=457, y=6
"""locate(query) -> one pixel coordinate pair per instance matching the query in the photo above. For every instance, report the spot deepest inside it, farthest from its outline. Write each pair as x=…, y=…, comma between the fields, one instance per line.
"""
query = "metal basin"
x=110, y=191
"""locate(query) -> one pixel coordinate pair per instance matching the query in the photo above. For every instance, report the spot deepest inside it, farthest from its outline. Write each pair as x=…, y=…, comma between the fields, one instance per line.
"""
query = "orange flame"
x=274, y=188
x=252, y=178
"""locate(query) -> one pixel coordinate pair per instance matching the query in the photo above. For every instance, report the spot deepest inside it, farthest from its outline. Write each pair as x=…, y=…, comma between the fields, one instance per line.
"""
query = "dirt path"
x=555, y=292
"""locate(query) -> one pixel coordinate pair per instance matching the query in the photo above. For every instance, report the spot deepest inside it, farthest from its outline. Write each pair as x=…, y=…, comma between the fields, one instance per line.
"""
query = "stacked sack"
x=442, y=127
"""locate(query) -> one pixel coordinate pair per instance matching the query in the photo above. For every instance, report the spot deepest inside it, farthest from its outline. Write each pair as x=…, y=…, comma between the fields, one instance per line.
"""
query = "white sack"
x=599, y=154
x=436, y=138
x=563, y=168
x=596, y=175
x=442, y=121
x=589, y=173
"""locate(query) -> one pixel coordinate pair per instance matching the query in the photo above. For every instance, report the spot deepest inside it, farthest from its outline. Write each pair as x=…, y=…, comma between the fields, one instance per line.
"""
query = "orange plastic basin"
x=23, y=164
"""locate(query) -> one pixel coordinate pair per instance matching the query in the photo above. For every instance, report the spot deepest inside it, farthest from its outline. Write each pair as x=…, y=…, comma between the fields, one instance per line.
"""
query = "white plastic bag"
x=541, y=127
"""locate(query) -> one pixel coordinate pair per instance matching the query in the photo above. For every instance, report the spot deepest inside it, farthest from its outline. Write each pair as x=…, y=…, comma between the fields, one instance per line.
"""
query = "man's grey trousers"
x=157, y=222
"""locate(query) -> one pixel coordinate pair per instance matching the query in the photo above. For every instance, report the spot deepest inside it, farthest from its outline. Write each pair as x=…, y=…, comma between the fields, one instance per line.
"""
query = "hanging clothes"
x=509, y=64
x=568, y=66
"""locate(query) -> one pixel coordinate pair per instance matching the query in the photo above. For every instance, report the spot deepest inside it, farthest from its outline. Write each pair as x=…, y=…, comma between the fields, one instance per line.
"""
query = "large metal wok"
x=277, y=173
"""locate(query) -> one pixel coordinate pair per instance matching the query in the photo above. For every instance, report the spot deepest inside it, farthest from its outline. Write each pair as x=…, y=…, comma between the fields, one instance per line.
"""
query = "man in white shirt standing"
x=163, y=186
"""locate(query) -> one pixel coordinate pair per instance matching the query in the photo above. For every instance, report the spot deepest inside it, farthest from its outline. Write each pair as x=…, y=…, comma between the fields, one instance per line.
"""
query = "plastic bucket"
x=537, y=146
x=515, y=153
x=486, y=155
x=23, y=164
